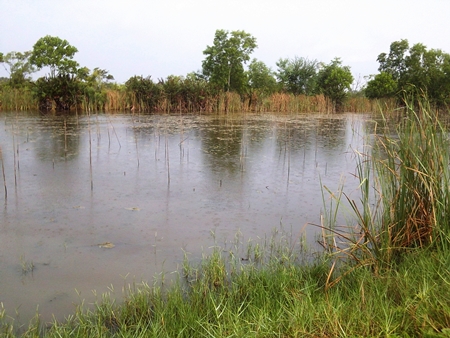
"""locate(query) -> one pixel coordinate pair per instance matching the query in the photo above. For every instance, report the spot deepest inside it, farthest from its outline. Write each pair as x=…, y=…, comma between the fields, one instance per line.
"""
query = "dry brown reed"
x=360, y=104
x=227, y=102
x=289, y=103
x=116, y=100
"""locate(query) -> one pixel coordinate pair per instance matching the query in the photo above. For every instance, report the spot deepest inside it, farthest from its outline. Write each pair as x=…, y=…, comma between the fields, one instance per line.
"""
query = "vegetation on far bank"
x=229, y=80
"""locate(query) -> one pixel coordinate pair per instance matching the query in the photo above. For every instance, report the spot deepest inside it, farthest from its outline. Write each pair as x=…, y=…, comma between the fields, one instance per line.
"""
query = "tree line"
x=228, y=76
x=410, y=71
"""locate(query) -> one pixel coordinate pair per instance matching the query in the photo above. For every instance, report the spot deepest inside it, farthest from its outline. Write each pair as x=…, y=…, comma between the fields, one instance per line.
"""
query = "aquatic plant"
x=404, y=192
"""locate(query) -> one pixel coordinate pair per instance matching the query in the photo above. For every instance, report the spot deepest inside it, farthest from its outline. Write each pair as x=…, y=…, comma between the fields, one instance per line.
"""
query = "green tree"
x=438, y=70
x=394, y=62
x=298, y=75
x=380, y=86
x=334, y=81
x=19, y=68
x=418, y=70
x=55, y=53
x=261, y=78
x=63, y=87
x=225, y=59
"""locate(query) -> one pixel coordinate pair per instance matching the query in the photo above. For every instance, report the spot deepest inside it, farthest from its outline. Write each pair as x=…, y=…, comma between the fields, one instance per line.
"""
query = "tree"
x=19, y=68
x=55, y=53
x=261, y=78
x=225, y=59
x=334, y=81
x=380, y=86
x=417, y=70
x=298, y=75
x=394, y=62
x=62, y=86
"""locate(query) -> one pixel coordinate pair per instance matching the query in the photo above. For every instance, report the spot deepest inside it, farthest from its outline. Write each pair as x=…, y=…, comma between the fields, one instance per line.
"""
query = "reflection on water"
x=155, y=187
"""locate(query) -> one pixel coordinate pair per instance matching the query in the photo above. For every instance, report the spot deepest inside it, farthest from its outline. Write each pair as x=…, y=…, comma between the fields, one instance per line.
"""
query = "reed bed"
x=162, y=98
x=17, y=99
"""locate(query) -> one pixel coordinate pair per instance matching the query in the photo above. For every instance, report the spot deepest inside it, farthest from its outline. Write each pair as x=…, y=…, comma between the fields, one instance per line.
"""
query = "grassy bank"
x=279, y=298
x=387, y=275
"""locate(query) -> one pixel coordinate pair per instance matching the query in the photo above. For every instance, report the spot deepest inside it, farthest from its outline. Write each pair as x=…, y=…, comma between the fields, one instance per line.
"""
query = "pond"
x=92, y=203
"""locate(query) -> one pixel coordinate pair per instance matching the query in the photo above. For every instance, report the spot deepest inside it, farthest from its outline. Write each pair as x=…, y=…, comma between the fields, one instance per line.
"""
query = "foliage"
x=225, y=59
x=261, y=78
x=334, y=81
x=145, y=93
x=298, y=75
x=20, y=68
x=381, y=86
x=63, y=90
x=61, y=87
x=94, y=86
x=55, y=53
x=418, y=70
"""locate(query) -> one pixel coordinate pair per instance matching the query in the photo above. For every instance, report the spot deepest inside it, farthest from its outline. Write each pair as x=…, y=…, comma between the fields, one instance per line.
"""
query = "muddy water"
x=155, y=187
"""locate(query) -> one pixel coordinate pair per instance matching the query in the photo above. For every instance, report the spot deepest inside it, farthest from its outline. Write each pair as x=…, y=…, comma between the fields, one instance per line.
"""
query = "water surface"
x=155, y=186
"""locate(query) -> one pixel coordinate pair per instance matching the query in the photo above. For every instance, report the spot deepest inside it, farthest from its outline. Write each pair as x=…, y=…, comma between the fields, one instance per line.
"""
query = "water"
x=156, y=187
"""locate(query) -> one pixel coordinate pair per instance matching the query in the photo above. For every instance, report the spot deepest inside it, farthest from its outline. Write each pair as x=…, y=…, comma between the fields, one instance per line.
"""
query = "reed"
x=3, y=174
x=413, y=170
x=404, y=193
x=90, y=153
x=17, y=99
x=178, y=95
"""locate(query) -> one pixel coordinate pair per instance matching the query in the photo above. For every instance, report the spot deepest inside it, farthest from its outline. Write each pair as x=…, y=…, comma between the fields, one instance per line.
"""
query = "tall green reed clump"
x=408, y=173
x=414, y=180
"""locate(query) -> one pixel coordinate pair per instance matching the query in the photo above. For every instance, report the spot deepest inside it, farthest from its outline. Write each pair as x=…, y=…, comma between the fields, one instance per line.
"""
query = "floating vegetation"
x=133, y=209
x=106, y=245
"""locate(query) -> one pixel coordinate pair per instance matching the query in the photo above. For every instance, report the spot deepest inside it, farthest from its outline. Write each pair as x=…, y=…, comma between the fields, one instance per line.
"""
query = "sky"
x=168, y=37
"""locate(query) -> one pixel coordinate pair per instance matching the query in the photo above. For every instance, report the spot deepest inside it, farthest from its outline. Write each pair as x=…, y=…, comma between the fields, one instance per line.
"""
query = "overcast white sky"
x=160, y=38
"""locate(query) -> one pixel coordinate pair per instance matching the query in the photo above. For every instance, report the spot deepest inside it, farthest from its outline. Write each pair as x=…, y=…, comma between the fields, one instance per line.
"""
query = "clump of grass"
x=26, y=265
x=404, y=192
x=414, y=181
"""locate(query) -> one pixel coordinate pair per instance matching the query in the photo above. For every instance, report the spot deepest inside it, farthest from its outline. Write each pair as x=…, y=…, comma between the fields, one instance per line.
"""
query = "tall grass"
x=17, y=99
x=404, y=191
x=413, y=170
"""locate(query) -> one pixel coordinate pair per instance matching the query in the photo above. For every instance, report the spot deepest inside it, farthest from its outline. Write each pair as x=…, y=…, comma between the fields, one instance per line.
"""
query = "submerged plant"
x=27, y=266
